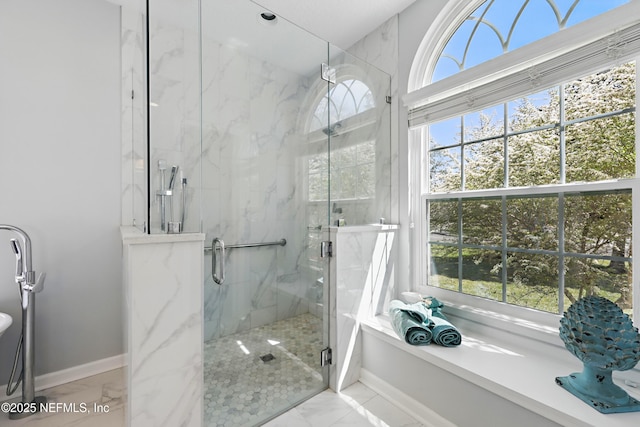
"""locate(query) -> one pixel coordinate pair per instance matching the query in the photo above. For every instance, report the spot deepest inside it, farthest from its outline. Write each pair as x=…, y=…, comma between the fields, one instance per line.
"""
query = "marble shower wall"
x=246, y=160
x=252, y=189
x=174, y=106
x=380, y=48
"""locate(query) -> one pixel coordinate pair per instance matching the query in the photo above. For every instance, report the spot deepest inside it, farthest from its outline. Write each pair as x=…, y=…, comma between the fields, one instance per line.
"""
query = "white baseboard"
x=408, y=404
x=70, y=374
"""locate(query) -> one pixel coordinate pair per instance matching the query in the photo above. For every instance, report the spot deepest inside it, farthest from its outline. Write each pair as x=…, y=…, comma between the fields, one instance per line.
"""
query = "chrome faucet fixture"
x=165, y=192
x=29, y=285
x=162, y=193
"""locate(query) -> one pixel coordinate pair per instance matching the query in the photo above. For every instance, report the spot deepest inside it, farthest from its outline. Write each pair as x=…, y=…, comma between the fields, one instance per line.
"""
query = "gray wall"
x=60, y=175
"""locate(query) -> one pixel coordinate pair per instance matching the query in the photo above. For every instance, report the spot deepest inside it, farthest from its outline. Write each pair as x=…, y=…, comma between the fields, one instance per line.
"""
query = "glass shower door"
x=264, y=323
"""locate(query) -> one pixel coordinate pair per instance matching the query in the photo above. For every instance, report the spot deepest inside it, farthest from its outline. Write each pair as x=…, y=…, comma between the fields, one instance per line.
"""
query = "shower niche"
x=275, y=135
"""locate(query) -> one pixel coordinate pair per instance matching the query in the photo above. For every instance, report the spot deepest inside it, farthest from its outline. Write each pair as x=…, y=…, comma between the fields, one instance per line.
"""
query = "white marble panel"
x=363, y=263
x=163, y=276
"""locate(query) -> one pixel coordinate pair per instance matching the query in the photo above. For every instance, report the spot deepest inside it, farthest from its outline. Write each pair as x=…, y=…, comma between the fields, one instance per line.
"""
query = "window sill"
x=514, y=367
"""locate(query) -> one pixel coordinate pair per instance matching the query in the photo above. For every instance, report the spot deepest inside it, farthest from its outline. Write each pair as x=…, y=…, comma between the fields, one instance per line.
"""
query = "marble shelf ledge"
x=133, y=236
x=516, y=368
x=361, y=228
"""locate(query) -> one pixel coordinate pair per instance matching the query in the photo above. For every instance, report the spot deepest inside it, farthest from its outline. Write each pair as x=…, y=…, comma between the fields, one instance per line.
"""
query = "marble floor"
x=356, y=406
x=99, y=402
x=249, y=377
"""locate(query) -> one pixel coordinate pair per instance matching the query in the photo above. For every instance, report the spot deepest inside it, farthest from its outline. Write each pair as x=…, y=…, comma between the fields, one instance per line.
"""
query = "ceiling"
x=238, y=25
x=341, y=22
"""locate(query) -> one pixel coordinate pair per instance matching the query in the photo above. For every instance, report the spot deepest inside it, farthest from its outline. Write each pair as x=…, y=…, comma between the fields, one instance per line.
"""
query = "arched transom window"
x=346, y=99
x=499, y=26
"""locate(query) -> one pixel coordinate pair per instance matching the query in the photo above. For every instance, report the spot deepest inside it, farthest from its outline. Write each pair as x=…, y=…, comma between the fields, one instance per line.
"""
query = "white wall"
x=459, y=401
x=60, y=175
x=414, y=22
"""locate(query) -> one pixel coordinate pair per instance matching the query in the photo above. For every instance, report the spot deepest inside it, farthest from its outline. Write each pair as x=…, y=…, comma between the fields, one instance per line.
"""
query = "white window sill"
x=517, y=368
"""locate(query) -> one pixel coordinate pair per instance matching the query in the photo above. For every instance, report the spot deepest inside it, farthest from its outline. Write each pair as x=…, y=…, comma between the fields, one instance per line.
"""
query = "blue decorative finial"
x=597, y=332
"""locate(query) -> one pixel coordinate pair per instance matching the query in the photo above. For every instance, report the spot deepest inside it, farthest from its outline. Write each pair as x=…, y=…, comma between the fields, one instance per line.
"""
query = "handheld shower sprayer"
x=174, y=227
x=172, y=179
x=18, y=251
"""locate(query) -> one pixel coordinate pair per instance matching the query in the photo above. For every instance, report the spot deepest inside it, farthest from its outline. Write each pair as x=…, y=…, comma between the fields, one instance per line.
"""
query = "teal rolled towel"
x=444, y=333
x=411, y=322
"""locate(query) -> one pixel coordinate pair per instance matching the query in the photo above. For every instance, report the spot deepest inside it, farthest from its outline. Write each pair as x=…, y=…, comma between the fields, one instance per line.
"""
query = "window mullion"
x=504, y=248
x=462, y=155
x=563, y=158
x=561, y=130
x=561, y=251
x=460, y=258
x=505, y=151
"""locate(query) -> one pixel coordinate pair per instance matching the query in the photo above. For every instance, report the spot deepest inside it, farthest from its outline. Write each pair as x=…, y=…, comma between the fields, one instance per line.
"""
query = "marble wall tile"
x=163, y=280
x=174, y=112
x=252, y=177
x=380, y=48
x=364, y=258
x=252, y=162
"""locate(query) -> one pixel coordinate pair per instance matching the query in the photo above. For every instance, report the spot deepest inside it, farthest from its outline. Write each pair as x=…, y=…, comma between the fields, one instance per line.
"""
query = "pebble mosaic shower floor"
x=254, y=375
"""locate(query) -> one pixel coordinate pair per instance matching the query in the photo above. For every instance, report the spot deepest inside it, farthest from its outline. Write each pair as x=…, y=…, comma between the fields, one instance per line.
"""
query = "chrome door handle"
x=215, y=243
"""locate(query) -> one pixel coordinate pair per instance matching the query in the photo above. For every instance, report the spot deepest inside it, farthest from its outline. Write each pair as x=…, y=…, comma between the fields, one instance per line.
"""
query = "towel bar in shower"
x=218, y=244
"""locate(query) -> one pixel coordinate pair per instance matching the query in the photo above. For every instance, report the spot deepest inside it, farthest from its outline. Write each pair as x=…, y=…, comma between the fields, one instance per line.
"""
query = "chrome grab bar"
x=214, y=243
x=218, y=244
x=280, y=242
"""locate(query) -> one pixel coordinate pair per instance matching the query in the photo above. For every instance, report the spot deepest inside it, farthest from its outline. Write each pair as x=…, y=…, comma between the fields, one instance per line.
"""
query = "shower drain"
x=267, y=357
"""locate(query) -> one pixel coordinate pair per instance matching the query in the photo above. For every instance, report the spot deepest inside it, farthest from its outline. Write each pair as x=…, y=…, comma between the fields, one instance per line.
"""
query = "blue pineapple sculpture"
x=597, y=332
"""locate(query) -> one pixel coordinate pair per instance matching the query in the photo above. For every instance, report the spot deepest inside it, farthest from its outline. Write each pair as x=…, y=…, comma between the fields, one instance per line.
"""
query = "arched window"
x=346, y=99
x=529, y=143
x=349, y=107
x=499, y=26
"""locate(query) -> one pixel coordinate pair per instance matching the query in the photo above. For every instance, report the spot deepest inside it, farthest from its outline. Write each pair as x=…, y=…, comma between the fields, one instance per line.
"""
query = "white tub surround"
x=164, y=337
x=362, y=269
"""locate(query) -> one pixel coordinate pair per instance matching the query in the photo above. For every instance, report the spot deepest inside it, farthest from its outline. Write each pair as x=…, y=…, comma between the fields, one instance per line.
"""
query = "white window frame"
x=612, y=38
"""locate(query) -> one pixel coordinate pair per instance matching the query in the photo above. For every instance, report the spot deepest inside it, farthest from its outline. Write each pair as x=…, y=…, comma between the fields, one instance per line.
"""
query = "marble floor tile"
x=291, y=418
x=386, y=413
x=355, y=406
x=94, y=401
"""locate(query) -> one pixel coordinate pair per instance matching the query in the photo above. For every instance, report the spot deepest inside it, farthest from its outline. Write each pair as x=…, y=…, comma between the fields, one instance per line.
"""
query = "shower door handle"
x=215, y=243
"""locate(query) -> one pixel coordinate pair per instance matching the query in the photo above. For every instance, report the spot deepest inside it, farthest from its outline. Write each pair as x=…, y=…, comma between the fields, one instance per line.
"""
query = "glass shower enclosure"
x=260, y=135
